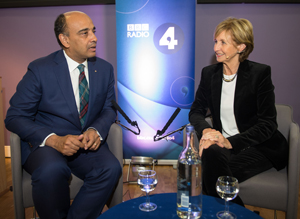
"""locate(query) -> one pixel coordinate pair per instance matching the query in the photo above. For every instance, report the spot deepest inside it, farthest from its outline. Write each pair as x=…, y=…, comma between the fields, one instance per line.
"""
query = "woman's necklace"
x=229, y=80
x=229, y=77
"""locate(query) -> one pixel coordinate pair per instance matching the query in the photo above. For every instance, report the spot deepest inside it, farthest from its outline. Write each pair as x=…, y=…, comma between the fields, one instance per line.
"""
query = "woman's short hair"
x=241, y=31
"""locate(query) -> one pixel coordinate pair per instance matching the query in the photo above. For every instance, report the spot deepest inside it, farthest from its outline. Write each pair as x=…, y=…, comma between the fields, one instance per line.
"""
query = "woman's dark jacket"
x=254, y=110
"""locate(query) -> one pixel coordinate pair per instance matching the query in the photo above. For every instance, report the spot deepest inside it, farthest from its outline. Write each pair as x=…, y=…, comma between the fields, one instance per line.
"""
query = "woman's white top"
x=227, y=112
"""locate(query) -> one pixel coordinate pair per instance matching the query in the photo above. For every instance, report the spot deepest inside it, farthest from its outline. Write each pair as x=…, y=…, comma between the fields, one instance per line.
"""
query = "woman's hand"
x=210, y=137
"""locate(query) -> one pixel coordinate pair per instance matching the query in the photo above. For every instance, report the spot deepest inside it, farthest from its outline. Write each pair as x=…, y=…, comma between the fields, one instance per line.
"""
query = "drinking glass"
x=227, y=188
x=147, y=180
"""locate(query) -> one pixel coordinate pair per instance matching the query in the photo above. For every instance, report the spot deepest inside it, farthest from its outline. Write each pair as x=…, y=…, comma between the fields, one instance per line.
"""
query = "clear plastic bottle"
x=189, y=178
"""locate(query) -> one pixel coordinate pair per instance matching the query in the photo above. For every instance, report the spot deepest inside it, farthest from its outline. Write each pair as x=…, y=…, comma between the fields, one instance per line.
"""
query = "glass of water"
x=147, y=180
x=227, y=188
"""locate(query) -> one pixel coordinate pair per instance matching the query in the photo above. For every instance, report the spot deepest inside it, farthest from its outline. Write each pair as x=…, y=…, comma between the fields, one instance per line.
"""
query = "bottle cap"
x=190, y=128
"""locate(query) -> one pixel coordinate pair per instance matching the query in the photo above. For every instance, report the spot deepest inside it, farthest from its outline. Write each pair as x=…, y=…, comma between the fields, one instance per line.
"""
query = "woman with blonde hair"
x=244, y=140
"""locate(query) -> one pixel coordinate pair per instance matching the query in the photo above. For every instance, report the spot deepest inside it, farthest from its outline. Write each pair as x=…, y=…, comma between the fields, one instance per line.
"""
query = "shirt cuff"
x=96, y=131
x=44, y=142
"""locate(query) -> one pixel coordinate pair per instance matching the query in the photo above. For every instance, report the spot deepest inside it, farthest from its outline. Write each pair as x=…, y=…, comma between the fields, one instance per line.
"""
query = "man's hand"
x=91, y=140
x=67, y=145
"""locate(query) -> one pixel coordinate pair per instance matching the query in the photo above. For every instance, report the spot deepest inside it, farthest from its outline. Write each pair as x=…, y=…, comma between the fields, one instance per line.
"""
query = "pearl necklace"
x=229, y=80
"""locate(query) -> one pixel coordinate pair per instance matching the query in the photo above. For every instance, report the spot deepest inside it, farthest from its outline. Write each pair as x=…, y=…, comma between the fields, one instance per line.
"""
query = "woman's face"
x=225, y=49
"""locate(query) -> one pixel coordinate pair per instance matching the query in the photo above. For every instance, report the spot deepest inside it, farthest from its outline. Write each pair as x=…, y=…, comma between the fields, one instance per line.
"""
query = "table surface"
x=166, y=208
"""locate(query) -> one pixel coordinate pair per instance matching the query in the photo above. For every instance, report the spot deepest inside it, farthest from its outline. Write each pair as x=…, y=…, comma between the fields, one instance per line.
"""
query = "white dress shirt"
x=74, y=75
x=227, y=111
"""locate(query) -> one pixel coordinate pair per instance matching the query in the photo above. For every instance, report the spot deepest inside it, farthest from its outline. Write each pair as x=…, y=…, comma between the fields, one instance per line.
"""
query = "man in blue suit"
x=58, y=135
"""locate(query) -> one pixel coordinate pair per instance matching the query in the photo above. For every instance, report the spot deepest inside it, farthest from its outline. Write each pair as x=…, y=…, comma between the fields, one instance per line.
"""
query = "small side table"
x=166, y=208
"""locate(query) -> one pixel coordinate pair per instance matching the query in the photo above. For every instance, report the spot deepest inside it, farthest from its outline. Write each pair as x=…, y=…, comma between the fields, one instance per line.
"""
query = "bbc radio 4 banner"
x=155, y=66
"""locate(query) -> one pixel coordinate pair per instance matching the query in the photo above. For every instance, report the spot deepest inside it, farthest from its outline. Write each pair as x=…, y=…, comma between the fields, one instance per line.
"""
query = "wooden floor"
x=166, y=183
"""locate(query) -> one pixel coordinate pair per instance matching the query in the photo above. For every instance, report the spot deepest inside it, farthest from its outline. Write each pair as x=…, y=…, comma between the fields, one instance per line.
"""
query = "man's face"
x=81, y=40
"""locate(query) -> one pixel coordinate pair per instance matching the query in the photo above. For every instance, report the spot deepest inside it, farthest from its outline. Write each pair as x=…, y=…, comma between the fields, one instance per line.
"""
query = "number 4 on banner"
x=168, y=39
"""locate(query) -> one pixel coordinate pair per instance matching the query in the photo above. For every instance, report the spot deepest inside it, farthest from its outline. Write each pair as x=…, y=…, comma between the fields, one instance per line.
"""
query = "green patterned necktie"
x=83, y=94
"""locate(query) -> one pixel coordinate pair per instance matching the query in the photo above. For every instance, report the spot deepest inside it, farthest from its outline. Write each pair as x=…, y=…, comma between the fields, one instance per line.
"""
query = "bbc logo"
x=137, y=27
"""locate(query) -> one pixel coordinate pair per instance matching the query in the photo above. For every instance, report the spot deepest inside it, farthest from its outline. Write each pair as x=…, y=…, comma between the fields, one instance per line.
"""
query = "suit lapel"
x=93, y=83
x=241, y=86
x=216, y=89
x=61, y=71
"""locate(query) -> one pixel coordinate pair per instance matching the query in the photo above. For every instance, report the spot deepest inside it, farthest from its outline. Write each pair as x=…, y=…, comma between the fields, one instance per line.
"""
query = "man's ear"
x=64, y=40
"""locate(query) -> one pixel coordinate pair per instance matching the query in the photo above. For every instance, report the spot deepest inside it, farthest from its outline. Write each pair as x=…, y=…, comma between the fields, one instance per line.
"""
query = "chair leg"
x=275, y=214
x=128, y=171
x=34, y=214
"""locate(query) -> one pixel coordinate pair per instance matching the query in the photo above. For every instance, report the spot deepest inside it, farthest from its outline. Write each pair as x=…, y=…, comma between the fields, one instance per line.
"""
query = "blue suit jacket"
x=44, y=102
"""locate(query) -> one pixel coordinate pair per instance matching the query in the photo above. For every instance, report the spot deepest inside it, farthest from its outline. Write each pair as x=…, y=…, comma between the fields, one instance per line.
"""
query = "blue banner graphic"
x=155, y=65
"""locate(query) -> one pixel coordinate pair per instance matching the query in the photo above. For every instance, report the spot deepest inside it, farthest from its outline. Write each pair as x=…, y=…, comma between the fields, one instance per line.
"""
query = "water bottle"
x=189, y=178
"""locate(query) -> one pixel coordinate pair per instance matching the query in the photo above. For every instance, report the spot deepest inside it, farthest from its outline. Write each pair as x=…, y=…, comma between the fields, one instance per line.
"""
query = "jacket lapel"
x=61, y=71
x=93, y=83
x=241, y=87
x=216, y=89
